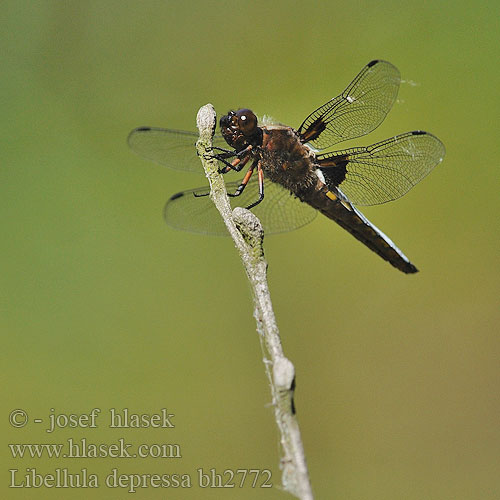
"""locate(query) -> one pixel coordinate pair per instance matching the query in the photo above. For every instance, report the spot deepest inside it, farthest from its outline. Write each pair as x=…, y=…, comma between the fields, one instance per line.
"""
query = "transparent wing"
x=173, y=148
x=358, y=110
x=279, y=211
x=383, y=171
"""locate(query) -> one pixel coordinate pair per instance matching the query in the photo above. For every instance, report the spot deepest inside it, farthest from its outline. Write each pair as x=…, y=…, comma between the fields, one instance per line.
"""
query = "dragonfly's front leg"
x=240, y=160
x=237, y=164
x=219, y=153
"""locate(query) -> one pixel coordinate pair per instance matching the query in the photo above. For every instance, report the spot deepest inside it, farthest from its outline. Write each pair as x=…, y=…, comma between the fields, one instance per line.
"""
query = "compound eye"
x=247, y=121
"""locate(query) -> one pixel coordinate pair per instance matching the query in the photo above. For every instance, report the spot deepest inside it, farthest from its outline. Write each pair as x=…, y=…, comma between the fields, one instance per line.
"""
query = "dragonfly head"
x=239, y=128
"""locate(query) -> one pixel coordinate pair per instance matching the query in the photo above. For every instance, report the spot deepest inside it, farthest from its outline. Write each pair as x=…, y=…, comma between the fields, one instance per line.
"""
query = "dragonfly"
x=291, y=176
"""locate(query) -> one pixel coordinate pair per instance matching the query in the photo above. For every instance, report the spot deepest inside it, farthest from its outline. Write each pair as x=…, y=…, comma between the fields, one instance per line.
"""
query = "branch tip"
x=206, y=120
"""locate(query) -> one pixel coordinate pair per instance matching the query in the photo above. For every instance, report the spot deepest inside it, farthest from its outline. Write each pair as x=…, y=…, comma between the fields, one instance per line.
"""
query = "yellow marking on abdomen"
x=331, y=195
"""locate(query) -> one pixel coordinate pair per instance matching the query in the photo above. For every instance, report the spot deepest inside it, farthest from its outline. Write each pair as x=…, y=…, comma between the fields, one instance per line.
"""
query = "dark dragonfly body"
x=293, y=159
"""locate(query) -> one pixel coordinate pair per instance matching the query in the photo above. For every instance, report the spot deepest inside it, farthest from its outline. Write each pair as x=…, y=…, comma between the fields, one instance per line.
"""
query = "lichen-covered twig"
x=247, y=233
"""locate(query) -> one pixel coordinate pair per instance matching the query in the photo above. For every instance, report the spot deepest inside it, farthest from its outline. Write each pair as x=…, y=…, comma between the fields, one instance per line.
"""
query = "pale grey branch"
x=248, y=235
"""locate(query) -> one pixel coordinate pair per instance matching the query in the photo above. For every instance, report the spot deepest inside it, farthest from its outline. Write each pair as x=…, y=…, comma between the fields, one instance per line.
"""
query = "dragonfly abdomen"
x=336, y=207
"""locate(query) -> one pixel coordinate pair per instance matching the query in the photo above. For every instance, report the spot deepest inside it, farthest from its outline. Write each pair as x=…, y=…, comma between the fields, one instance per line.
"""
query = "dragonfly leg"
x=241, y=187
x=245, y=180
x=260, y=173
x=229, y=166
x=238, y=163
x=219, y=153
x=223, y=150
x=197, y=195
x=222, y=157
x=219, y=156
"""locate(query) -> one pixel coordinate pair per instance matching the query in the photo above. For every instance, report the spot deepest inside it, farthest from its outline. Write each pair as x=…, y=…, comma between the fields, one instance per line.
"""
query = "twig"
x=247, y=233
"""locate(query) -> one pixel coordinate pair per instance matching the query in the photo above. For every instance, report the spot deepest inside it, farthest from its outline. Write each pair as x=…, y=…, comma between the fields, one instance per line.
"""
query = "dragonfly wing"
x=194, y=211
x=383, y=171
x=172, y=148
x=357, y=111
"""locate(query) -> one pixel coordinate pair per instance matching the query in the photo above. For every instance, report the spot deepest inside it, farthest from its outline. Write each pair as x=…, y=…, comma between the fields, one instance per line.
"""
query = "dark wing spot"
x=372, y=63
x=334, y=170
x=314, y=130
x=176, y=195
x=418, y=132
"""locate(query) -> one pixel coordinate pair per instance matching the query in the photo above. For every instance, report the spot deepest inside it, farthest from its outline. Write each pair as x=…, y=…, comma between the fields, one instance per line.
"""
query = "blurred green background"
x=103, y=305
